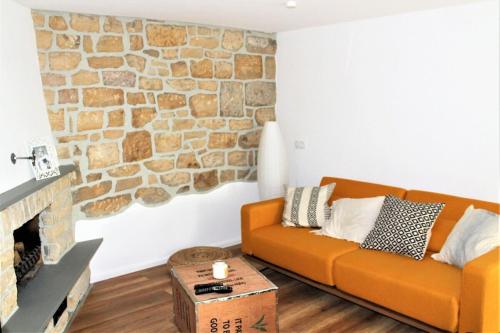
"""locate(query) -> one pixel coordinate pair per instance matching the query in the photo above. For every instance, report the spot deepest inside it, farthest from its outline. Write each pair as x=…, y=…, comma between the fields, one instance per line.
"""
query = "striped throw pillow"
x=307, y=206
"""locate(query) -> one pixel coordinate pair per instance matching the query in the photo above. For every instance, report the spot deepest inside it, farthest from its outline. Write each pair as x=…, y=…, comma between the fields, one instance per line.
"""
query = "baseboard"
x=123, y=270
x=135, y=267
x=227, y=243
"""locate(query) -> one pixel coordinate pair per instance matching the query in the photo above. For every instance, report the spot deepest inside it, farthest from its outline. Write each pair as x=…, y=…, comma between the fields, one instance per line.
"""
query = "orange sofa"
x=439, y=295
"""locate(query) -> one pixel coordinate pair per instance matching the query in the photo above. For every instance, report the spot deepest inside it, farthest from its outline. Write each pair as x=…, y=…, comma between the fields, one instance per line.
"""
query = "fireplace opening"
x=27, y=251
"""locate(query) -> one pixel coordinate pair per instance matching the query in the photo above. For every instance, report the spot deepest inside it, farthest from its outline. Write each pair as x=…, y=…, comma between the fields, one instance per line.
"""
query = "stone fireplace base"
x=52, y=299
x=51, y=199
x=77, y=293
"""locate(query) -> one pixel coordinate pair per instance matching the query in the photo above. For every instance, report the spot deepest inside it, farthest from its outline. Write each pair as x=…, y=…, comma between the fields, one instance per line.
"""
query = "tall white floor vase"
x=272, y=167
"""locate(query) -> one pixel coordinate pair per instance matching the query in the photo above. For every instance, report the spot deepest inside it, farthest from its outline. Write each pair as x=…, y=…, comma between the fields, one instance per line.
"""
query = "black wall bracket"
x=14, y=158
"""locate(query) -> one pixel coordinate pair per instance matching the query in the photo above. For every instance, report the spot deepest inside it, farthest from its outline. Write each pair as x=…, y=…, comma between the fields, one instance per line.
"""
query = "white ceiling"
x=263, y=15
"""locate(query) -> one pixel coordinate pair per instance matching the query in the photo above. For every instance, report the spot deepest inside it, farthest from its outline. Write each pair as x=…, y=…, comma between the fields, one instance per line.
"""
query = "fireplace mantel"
x=31, y=186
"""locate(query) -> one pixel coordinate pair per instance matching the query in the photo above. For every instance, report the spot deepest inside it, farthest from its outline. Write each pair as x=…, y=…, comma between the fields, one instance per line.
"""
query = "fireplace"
x=44, y=273
x=27, y=251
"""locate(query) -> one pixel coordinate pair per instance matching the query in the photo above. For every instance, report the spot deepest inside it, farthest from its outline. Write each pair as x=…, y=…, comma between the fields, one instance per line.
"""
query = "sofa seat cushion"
x=300, y=251
x=426, y=290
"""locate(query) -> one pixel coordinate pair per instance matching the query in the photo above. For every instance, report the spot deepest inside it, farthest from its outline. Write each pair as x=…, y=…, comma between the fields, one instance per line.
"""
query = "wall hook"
x=14, y=158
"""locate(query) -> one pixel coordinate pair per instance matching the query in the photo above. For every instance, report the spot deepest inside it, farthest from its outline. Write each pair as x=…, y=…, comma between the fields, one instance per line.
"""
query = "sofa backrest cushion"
x=348, y=188
x=452, y=212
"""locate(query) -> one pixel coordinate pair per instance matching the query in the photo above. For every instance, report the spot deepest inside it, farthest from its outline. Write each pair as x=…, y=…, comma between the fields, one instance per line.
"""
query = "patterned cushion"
x=403, y=227
x=307, y=206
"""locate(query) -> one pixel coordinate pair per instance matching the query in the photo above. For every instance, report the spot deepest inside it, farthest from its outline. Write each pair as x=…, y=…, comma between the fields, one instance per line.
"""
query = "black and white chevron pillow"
x=307, y=206
x=403, y=227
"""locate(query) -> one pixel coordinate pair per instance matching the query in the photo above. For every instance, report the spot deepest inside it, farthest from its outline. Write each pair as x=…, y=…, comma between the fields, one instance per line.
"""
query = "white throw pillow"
x=307, y=206
x=353, y=219
x=476, y=233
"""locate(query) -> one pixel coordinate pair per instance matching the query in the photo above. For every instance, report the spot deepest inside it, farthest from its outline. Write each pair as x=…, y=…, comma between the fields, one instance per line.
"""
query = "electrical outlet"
x=300, y=144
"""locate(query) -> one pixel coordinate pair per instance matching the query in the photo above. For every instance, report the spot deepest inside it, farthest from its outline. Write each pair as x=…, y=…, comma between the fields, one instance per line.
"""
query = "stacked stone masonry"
x=147, y=109
x=74, y=299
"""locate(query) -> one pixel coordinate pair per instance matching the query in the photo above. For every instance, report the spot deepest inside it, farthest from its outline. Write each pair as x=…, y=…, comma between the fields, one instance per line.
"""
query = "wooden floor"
x=142, y=302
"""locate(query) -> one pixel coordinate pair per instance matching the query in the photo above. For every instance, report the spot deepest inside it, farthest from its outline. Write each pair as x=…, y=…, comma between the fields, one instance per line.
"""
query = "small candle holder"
x=220, y=270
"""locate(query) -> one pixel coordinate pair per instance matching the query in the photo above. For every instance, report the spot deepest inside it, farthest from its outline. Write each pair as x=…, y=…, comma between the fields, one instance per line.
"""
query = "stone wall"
x=148, y=109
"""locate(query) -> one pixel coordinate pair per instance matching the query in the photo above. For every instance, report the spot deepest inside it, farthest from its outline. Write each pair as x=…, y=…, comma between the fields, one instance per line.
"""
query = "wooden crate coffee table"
x=251, y=307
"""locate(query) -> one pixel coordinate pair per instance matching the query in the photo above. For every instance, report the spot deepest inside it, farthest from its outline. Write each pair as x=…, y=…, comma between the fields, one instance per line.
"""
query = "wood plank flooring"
x=142, y=302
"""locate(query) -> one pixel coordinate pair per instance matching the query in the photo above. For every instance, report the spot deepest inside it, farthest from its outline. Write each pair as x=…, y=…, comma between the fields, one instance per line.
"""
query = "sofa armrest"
x=257, y=215
x=479, y=300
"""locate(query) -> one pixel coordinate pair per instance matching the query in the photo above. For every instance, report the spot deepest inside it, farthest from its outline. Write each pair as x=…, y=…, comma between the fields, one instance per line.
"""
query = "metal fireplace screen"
x=27, y=251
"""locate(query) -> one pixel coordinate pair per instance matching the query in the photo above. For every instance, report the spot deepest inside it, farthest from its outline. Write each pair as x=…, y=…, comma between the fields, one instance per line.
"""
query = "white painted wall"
x=142, y=237
x=410, y=100
x=22, y=106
